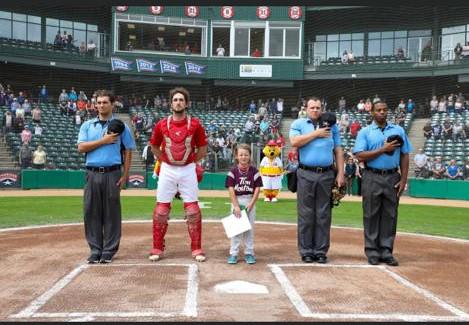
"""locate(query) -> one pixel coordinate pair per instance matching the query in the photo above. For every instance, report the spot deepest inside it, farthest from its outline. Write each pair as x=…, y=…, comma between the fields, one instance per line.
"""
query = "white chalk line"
x=40, y=301
x=305, y=311
x=189, y=310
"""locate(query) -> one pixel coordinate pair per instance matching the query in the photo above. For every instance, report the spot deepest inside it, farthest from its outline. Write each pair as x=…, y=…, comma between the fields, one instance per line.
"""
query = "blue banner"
x=195, y=68
x=167, y=66
x=119, y=64
x=145, y=65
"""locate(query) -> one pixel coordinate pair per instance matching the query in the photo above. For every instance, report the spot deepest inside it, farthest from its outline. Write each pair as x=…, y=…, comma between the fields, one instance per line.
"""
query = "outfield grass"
x=433, y=220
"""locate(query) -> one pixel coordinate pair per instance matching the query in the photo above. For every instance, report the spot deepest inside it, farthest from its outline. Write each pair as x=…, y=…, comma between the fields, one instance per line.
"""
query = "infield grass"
x=432, y=220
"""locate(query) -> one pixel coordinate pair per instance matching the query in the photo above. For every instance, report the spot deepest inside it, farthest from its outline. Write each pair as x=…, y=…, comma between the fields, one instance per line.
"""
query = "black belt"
x=103, y=170
x=382, y=171
x=315, y=168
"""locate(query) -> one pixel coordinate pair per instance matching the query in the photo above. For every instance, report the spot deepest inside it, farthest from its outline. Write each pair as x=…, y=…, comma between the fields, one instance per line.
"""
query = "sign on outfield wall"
x=10, y=178
x=255, y=71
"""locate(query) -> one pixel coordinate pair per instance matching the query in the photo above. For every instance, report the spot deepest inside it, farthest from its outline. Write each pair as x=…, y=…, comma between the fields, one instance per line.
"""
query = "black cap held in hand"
x=116, y=126
x=327, y=119
x=392, y=138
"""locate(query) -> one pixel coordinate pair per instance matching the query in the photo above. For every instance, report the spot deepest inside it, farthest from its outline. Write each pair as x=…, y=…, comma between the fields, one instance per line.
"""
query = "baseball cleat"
x=200, y=258
x=154, y=258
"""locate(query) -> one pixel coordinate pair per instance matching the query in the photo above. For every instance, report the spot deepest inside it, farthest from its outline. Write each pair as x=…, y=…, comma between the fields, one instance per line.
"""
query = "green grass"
x=433, y=220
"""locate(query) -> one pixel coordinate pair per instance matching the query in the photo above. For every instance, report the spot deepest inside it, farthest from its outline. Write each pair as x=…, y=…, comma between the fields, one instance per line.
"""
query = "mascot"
x=271, y=169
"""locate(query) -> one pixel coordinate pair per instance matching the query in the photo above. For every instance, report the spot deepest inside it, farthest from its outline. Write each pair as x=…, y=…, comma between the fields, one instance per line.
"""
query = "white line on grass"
x=291, y=292
x=37, y=303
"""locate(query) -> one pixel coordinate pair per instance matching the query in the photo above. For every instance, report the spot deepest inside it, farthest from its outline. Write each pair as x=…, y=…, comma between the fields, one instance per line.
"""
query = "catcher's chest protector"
x=178, y=142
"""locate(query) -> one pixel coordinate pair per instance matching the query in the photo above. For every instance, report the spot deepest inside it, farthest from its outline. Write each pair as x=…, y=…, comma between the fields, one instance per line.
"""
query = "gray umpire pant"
x=102, y=212
x=314, y=211
x=380, y=203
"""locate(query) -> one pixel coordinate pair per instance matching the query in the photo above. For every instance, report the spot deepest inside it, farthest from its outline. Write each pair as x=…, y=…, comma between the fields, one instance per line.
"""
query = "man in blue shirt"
x=104, y=180
x=317, y=146
x=382, y=184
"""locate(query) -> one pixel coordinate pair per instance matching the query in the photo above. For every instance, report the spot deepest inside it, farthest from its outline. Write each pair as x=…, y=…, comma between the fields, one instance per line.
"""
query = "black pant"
x=102, y=212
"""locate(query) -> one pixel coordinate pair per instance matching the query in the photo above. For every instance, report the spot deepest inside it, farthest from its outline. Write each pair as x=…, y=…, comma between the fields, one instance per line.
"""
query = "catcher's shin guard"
x=160, y=225
x=194, y=226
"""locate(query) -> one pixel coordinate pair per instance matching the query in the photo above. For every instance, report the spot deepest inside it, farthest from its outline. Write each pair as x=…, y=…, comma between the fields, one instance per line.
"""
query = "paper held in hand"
x=235, y=226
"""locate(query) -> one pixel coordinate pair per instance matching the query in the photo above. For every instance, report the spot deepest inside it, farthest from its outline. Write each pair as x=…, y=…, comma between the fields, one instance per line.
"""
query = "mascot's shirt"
x=199, y=138
x=243, y=183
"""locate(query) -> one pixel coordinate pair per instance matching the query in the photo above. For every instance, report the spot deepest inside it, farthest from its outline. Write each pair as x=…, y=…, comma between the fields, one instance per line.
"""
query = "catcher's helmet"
x=116, y=126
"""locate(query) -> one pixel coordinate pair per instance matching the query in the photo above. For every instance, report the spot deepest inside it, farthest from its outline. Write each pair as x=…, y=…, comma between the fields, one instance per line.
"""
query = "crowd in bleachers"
x=446, y=150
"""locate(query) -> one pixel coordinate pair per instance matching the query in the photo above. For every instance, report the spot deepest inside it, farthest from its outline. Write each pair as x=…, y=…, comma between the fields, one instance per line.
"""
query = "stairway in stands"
x=137, y=162
x=417, y=140
x=7, y=160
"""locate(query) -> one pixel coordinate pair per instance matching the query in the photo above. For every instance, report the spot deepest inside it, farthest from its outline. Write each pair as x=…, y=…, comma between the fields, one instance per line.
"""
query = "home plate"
x=241, y=287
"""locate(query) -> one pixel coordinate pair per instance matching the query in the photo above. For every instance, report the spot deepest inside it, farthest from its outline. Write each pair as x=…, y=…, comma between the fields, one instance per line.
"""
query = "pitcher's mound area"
x=45, y=278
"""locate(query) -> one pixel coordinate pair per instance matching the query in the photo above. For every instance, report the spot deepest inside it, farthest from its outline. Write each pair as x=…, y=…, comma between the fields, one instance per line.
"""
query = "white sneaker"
x=274, y=199
x=266, y=199
x=154, y=258
x=200, y=258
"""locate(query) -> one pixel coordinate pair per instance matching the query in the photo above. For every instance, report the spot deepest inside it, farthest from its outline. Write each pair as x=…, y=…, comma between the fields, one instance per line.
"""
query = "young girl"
x=243, y=183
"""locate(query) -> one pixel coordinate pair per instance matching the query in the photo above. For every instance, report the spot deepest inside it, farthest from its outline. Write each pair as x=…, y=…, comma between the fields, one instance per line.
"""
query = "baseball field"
x=45, y=276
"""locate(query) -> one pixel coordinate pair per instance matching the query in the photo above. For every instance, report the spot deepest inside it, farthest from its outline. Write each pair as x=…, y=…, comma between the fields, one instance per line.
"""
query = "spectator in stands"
x=466, y=169
x=410, y=106
x=354, y=128
x=376, y=99
x=427, y=52
x=458, y=132
x=342, y=106
x=3, y=97
x=351, y=57
x=249, y=127
x=450, y=104
x=38, y=129
x=58, y=44
x=26, y=135
x=420, y=160
x=63, y=97
x=302, y=113
x=252, y=107
x=350, y=169
x=8, y=121
x=434, y=105
x=26, y=107
x=63, y=107
x=458, y=105
x=442, y=105
x=72, y=95
x=212, y=127
x=82, y=48
x=226, y=103
x=400, y=107
x=438, y=169
x=447, y=129
x=91, y=48
x=436, y=131
x=466, y=130
x=257, y=53
x=344, y=58
x=25, y=155
x=262, y=112
x=21, y=98
x=19, y=113
x=78, y=120
x=368, y=105
x=427, y=130
x=82, y=96
x=457, y=52
x=187, y=49
x=361, y=106
x=400, y=53
x=220, y=50
x=428, y=170
x=280, y=106
x=14, y=106
x=453, y=171
x=71, y=108
x=148, y=157
x=39, y=158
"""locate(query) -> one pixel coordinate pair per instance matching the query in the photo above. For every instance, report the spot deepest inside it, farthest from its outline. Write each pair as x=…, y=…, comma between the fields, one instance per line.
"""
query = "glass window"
x=51, y=31
x=374, y=35
x=276, y=42
x=332, y=49
x=93, y=28
x=34, y=19
x=358, y=36
x=453, y=29
x=400, y=42
x=5, y=28
x=320, y=51
x=81, y=26
x=78, y=37
x=34, y=32
x=241, y=41
x=221, y=37
x=387, y=34
x=321, y=38
x=19, y=30
x=19, y=17
x=66, y=24
x=357, y=48
x=374, y=47
x=333, y=37
x=257, y=40
x=345, y=46
x=5, y=14
x=345, y=37
x=400, y=33
x=292, y=42
x=387, y=47
x=52, y=22
x=413, y=33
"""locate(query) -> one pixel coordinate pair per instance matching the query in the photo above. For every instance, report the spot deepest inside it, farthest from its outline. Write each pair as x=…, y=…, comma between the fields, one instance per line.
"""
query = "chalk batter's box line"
x=189, y=310
x=305, y=311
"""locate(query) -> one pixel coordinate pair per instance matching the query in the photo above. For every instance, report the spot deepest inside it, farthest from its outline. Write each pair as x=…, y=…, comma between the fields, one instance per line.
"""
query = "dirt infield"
x=44, y=277
x=205, y=193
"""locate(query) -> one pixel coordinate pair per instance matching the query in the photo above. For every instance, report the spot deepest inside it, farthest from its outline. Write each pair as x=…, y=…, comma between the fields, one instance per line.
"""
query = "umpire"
x=317, y=147
x=101, y=140
x=384, y=147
